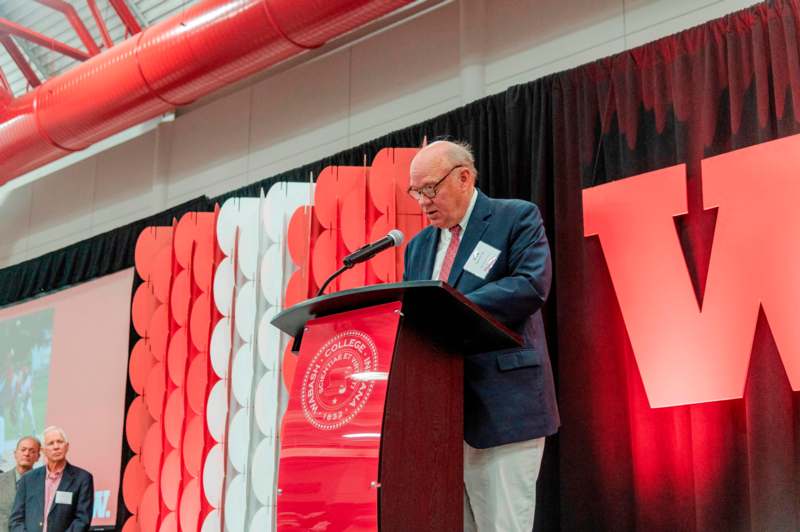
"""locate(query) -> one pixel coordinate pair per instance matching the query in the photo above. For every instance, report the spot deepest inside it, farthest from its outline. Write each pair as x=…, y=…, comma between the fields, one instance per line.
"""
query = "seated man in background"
x=56, y=498
x=26, y=454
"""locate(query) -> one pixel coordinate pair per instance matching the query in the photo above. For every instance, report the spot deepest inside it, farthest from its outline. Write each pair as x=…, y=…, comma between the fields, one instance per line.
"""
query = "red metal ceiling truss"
x=126, y=16
x=20, y=60
x=101, y=24
x=75, y=21
x=9, y=28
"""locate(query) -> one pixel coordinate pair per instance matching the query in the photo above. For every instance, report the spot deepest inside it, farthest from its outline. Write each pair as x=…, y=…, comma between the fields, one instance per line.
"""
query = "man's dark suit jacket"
x=28, y=512
x=509, y=395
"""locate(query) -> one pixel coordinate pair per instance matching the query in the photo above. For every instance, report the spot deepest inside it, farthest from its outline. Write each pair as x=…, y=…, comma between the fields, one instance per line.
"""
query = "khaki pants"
x=500, y=486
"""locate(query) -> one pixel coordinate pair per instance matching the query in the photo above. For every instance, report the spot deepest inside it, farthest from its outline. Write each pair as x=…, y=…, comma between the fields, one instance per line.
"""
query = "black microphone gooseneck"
x=364, y=253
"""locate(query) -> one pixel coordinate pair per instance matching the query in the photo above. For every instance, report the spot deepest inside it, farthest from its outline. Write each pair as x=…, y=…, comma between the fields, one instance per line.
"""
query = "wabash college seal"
x=330, y=397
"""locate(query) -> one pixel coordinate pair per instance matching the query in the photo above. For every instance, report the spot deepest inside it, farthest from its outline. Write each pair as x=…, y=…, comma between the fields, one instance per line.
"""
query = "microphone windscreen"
x=397, y=236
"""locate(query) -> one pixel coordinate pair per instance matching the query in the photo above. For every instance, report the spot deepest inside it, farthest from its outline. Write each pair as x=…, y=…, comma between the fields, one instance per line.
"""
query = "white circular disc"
x=246, y=311
x=227, y=222
x=242, y=374
x=266, y=406
x=213, y=476
x=272, y=275
x=279, y=206
x=248, y=251
x=221, y=347
x=211, y=522
x=235, y=504
x=263, y=471
x=261, y=520
x=269, y=339
x=239, y=439
x=223, y=286
x=217, y=410
x=273, y=211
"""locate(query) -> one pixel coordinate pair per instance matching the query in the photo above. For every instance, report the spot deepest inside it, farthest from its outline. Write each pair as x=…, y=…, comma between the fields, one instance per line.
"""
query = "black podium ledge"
x=433, y=306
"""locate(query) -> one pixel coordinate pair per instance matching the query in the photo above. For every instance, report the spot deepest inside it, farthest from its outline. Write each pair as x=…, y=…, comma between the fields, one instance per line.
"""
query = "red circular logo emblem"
x=330, y=397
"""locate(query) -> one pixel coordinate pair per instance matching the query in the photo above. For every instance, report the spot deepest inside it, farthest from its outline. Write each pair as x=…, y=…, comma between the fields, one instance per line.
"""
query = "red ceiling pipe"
x=208, y=46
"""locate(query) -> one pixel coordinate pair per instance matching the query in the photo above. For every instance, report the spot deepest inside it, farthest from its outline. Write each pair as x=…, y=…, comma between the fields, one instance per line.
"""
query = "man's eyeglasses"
x=429, y=191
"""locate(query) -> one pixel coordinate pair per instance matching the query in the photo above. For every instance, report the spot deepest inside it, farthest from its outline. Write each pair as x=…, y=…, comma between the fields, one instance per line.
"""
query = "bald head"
x=443, y=179
x=26, y=454
x=447, y=154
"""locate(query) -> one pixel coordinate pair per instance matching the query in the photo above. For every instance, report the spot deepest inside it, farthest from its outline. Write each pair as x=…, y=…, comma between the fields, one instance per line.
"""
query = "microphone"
x=394, y=238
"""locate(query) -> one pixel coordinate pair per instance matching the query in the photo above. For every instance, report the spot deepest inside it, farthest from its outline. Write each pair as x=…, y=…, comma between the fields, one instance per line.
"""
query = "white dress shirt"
x=445, y=236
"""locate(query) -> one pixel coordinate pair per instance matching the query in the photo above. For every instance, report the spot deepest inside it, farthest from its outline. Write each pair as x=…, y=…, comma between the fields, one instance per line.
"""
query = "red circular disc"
x=193, y=446
x=140, y=364
x=355, y=277
x=143, y=306
x=354, y=217
x=297, y=289
x=389, y=179
x=382, y=264
x=150, y=241
x=158, y=332
x=134, y=482
x=185, y=235
x=180, y=297
x=200, y=322
x=132, y=524
x=161, y=274
x=173, y=417
x=148, y=509
x=298, y=234
x=171, y=480
x=154, y=391
x=176, y=357
x=381, y=180
x=190, y=505
x=203, y=263
x=324, y=256
x=325, y=196
x=151, y=452
x=196, y=383
x=136, y=424
x=289, y=366
x=170, y=523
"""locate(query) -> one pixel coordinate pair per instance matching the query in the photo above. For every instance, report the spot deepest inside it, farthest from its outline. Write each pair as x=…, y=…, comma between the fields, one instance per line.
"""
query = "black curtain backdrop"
x=616, y=464
x=103, y=254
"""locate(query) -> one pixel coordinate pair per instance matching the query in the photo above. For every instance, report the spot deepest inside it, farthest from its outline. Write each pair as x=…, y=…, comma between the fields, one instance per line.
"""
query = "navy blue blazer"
x=509, y=394
x=28, y=511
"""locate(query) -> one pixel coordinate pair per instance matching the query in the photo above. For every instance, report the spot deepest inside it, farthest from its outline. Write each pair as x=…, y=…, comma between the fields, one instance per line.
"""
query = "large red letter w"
x=688, y=353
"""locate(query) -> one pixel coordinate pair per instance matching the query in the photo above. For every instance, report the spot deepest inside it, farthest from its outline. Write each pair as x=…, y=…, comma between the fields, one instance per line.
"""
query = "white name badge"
x=482, y=259
x=63, y=497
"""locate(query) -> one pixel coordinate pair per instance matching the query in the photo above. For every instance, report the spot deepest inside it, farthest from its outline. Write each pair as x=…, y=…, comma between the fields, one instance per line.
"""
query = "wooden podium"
x=372, y=436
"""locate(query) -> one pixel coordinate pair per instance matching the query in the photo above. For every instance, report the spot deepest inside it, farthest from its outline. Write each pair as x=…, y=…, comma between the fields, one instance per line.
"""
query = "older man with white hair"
x=56, y=498
x=495, y=252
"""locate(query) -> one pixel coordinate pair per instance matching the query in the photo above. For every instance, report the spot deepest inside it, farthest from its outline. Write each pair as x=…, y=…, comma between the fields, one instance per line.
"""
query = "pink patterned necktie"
x=450, y=256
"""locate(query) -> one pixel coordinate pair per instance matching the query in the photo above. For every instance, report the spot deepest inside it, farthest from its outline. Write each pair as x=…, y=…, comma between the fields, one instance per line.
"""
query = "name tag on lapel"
x=63, y=497
x=482, y=259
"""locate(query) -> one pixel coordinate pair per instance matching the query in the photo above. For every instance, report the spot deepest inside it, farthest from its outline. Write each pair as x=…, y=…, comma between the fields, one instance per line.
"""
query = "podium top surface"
x=433, y=304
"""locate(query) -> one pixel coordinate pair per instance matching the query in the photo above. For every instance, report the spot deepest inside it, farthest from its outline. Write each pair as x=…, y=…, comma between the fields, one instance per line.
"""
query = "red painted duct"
x=208, y=46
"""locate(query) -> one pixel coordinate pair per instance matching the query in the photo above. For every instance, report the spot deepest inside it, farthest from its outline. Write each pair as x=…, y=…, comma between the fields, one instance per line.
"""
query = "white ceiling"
x=54, y=24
